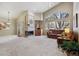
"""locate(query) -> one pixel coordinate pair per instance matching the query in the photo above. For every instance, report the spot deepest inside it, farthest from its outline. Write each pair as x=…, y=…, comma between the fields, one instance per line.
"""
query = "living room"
x=37, y=28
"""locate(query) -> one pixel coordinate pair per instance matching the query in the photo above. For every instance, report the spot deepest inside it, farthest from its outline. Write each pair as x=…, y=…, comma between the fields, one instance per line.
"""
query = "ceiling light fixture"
x=8, y=23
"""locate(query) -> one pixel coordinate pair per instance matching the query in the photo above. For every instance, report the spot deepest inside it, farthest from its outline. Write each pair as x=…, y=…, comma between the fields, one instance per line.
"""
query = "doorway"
x=38, y=27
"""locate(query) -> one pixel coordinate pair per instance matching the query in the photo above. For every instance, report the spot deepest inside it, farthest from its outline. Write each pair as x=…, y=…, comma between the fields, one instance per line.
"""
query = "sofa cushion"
x=54, y=33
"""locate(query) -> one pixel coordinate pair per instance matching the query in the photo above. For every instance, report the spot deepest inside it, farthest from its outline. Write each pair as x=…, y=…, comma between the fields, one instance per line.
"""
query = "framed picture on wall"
x=76, y=20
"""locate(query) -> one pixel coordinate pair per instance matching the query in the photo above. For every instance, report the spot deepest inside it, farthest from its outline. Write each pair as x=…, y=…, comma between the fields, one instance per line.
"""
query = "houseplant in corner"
x=74, y=48
x=71, y=48
x=65, y=47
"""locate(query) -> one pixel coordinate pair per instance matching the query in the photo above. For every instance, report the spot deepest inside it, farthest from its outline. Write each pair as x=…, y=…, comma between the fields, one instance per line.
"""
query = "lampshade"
x=67, y=30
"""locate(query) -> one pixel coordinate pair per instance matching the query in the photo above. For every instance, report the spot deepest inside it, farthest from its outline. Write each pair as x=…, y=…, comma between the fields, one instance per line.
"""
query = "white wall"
x=31, y=27
x=16, y=8
x=62, y=7
x=14, y=14
x=75, y=10
x=4, y=8
x=38, y=16
x=33, y=16
x=10, y=31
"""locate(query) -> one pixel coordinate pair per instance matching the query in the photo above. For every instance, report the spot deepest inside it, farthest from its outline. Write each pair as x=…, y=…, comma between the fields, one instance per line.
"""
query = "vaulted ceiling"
x=16, y=7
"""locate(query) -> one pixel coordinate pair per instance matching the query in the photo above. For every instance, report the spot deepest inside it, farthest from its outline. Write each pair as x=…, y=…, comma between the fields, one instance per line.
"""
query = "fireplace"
x=29, y=33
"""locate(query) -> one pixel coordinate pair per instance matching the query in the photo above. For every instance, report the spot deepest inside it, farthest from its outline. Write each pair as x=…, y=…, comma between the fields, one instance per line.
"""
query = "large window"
x=58, y=25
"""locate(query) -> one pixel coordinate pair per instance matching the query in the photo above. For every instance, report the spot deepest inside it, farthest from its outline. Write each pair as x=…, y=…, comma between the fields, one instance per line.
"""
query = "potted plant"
x=74, y=48
x=70, y=47
x=65, y=47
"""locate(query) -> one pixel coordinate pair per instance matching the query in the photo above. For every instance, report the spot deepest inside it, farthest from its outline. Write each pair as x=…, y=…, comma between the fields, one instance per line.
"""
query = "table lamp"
x=67, y=30
x=68, y=33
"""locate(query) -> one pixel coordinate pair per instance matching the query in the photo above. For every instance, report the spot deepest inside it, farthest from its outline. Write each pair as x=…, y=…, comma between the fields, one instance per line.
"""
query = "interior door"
x=38, y=27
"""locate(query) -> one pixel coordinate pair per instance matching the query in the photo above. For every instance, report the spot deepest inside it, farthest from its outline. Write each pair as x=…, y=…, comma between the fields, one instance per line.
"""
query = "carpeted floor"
x=29, y=46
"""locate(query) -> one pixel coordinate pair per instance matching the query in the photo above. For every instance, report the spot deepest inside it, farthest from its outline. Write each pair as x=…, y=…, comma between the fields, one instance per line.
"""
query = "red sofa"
x=54, y=33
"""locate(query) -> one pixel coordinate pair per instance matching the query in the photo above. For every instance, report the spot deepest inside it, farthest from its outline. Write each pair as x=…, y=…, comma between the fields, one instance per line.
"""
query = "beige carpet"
x=30, y=46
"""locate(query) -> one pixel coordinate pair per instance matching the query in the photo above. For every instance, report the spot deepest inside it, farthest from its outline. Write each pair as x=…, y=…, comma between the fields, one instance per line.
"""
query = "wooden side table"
x=61, y=39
